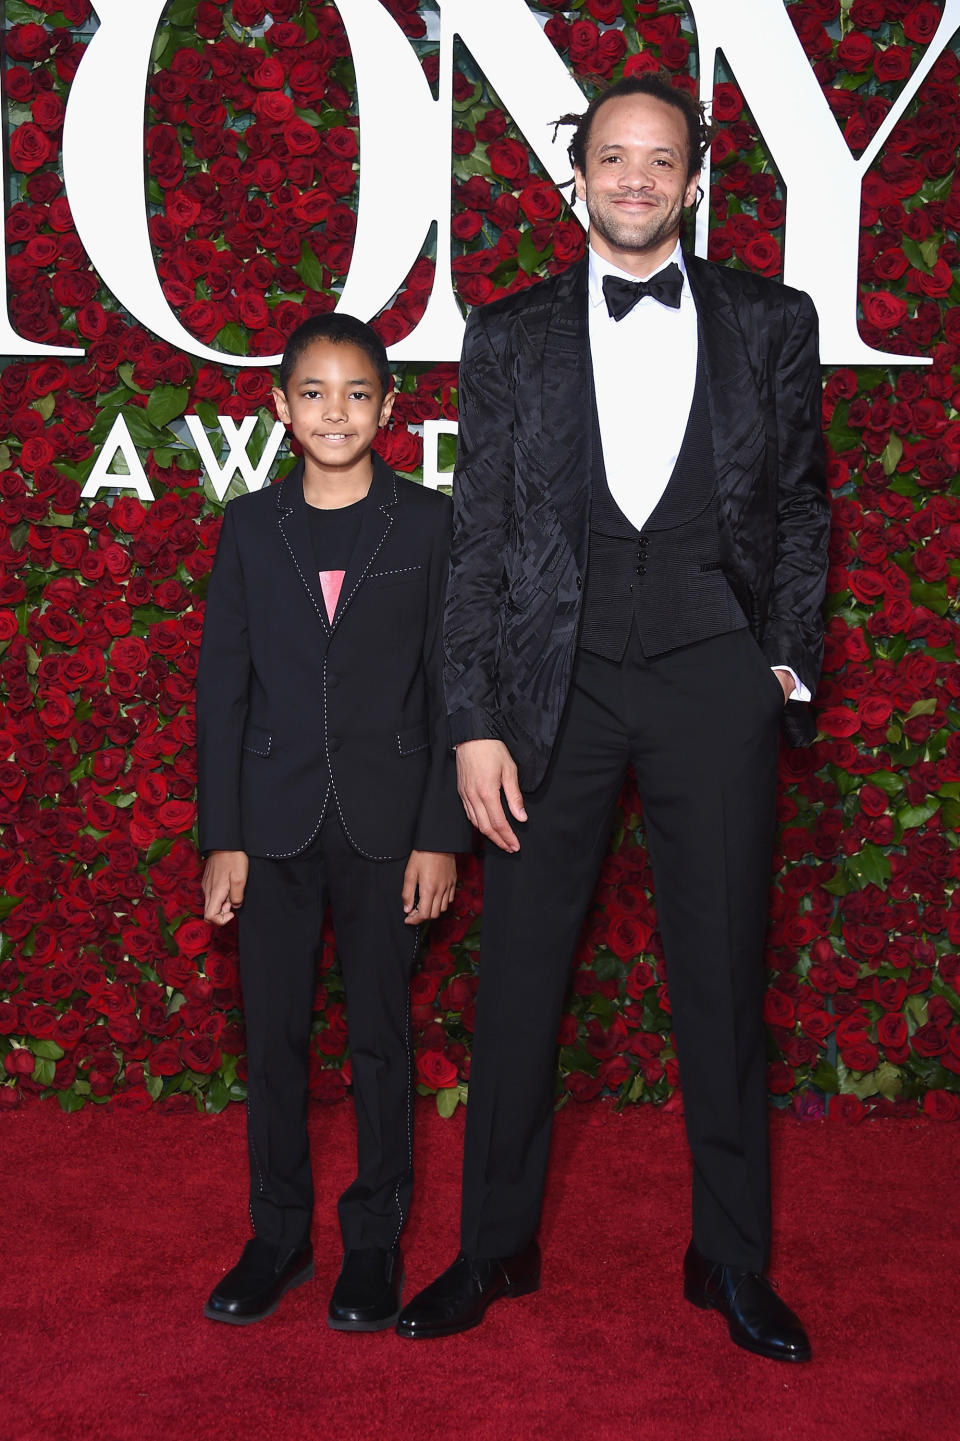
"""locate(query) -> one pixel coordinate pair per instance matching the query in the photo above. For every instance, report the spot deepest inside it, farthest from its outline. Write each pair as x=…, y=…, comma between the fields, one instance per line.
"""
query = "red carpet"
x=117, y=1225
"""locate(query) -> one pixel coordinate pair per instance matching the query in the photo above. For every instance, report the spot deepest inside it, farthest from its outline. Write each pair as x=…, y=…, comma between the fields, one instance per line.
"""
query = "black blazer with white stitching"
x=296, y=715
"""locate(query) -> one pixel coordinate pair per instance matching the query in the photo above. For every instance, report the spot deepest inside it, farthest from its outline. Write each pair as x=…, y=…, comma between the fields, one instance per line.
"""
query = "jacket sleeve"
x=793, y=631
x=442, y=824
x=482, y=507
x=223, y=678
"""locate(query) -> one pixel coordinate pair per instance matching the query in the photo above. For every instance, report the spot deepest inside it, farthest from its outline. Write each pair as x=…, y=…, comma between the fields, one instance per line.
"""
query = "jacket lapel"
x=376, y=520
x=736, y=413
x=557, y=364
x=295, y=529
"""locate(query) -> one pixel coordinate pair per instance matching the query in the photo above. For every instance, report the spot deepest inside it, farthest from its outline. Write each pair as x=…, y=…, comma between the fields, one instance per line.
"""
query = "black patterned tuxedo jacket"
x=522, y=495
x=295, y=714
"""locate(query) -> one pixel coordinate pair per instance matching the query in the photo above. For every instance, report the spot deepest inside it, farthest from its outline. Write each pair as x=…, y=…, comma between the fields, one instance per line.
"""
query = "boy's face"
x=333, y=404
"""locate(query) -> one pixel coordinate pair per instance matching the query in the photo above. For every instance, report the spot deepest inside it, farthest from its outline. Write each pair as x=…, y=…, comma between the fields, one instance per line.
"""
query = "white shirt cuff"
x=799, y=691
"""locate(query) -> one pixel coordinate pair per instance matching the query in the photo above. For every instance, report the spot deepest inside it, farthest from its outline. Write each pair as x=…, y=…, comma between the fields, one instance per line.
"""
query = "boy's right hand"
x=224, y=882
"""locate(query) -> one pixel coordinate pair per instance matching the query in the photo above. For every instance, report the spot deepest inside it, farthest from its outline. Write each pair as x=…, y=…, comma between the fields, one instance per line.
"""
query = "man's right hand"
x=224, y=882
x=484, y=768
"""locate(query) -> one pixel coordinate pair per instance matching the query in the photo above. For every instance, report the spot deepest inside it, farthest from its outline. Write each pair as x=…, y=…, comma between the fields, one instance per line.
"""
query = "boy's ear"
x=387, y=407
x=280, y=403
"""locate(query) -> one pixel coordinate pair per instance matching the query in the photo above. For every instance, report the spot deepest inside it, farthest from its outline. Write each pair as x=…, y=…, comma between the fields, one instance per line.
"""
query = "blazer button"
x=333, y=742
x=332, y=680
x=641, y=570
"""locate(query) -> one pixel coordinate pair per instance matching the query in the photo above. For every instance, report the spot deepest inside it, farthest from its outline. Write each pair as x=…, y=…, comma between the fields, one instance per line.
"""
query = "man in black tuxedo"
x=638, y=566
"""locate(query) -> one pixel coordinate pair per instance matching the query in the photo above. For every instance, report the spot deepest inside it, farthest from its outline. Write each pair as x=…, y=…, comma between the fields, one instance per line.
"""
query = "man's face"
x=635, y=183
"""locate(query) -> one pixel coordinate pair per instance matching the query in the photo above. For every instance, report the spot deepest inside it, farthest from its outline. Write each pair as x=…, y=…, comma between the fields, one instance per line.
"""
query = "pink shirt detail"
x=330, y=583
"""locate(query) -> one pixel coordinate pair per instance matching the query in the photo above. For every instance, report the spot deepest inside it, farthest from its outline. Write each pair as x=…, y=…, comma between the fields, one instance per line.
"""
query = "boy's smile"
x=334, y=406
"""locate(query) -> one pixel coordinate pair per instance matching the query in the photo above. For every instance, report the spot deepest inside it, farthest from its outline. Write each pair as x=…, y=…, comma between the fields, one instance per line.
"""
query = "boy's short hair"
x=340, y=329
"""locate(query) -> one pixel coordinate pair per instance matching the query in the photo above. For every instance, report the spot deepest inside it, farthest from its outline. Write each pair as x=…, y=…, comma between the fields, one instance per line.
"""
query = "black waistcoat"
x=666, y=578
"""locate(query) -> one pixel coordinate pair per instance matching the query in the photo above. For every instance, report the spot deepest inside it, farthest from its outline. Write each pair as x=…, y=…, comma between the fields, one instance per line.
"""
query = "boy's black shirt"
x=295, y=714
x=333, y=534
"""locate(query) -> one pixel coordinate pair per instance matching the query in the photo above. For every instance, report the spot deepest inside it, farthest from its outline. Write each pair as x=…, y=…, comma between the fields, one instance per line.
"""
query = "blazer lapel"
x=736, y=413
x=376, y=521
x=559, y=417
x=294, y=527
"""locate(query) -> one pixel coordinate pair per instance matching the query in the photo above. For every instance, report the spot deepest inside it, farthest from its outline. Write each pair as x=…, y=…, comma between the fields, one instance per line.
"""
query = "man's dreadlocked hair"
x=659, y=86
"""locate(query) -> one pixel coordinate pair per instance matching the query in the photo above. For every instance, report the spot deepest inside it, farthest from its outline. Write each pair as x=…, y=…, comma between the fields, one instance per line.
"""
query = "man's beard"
x=637, y=235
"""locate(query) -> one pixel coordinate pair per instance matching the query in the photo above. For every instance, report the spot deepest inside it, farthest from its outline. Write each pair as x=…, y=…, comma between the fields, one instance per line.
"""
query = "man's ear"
x=281, y=406
x=386, y=408
x=690, y=194
x=579, y=183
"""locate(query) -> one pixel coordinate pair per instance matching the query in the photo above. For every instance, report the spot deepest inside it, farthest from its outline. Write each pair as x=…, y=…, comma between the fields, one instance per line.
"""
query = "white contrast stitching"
x=285, y=855
x=333, y=785
x=326, y=623
x=360, y=578
x=401, y=570
x=412, y=750
x=406, y=1041
x=253, y=749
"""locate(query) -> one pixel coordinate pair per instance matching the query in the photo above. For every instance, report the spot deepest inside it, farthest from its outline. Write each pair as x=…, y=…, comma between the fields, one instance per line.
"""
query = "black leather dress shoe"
x=367, y=1294
x=458, y=1298
x=260, y=1278
x=756, y=1317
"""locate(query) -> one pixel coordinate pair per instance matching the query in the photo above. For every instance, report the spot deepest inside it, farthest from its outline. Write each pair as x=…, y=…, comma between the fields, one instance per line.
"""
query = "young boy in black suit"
x=325, y=777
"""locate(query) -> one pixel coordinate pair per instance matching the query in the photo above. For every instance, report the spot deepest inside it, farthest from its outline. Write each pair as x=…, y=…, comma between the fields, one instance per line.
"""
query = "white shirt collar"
x=600, y=267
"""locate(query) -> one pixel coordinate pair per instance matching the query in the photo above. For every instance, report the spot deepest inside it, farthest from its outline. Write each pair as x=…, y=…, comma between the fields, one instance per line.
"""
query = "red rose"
x=539, y=201
x=509, y=159
x=920, y=23
x=884, y=310
x=200, y=1053
x=855, y=52
x=941, y=1106
x=435, y=1070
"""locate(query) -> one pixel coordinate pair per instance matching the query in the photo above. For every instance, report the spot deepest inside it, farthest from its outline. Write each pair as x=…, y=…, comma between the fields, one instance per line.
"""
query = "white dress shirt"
x=644, y=374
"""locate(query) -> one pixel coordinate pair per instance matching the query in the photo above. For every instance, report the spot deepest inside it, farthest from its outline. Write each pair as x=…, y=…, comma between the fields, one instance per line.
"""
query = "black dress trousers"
x=280, y=930
x=700, y=727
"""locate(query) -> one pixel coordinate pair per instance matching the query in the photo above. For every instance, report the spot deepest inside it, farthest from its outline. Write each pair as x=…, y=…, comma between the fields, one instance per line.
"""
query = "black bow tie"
x=622, y=295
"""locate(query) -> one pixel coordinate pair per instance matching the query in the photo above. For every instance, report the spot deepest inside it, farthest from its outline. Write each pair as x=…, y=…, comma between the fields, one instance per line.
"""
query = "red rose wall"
x=111, y=987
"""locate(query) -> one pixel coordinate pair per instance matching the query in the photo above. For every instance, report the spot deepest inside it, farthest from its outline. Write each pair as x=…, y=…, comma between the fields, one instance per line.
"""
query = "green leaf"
x=18, y=13
x=309, y=269
x=158, y=849
x=144, y=435
x=885, y=781
x=154, y=1086
x=217, y=1096
x=892, y=453
x=166, y=402
x=927, y=706
x=233, y=339
x=45, y=406
x=44, y=1071
x=70, y=1101
x=182, y=12
x=528, y=256
x=912, y=816
x=448, y=1099
x=869, y=866
x=446, y=452
x=4, y=457
x=46, y=1050
x=8, y=904
x=934, y=597
x=825, y=1076
x=915, y=254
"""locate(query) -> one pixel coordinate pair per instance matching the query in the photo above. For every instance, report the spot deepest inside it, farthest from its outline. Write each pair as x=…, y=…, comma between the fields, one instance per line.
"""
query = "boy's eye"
x=310, y=394
x=359, y=395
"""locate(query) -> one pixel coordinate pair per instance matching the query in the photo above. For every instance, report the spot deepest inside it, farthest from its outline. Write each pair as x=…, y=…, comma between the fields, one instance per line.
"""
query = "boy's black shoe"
x=756, y=1317
x=367, y=1294
x=458, y=1298
x=260, y=1278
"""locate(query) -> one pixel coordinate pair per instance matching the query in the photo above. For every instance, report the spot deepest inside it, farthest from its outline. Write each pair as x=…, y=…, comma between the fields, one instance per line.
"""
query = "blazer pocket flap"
x=414, y=738
x=402, y=575
x=257, y=740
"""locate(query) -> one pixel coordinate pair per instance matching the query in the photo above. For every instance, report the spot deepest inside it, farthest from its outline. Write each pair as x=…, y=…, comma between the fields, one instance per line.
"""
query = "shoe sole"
x=512, y=1293
x=697, y=1299
x=235, y=1319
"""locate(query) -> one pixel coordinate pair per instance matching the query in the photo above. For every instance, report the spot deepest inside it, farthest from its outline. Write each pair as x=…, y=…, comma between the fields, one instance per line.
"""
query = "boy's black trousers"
x=280, y=927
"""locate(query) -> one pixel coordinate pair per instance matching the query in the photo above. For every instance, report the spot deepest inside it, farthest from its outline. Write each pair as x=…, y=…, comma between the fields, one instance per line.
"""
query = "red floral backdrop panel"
x=112, y=989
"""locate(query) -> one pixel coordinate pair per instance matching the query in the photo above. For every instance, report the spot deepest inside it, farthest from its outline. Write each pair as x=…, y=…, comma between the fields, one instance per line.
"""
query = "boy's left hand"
x=431, y=879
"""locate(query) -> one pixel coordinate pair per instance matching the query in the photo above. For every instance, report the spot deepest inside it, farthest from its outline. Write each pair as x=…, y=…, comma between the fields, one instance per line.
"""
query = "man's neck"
x=639, y=263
